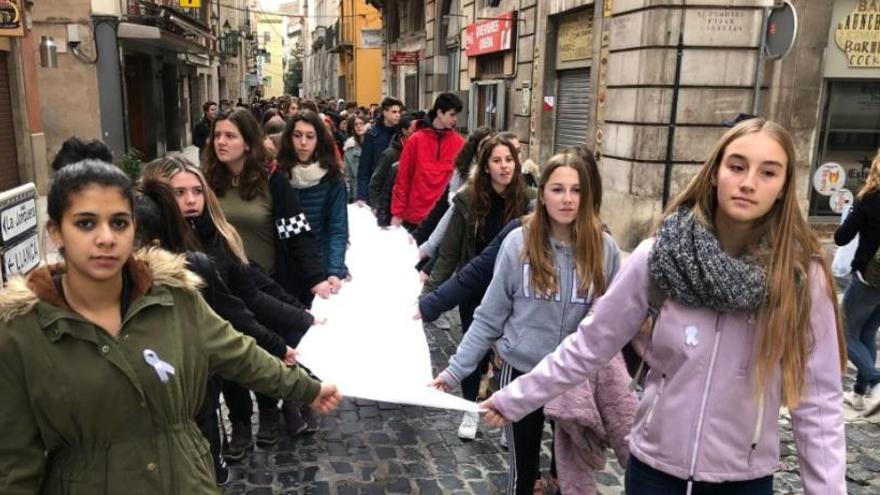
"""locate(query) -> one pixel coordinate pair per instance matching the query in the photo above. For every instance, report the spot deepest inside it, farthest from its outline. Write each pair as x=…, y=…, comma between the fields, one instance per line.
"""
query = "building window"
x=849, y=137
x=490, y=65
x=267, y=37
x=411, y=91
x=487, y=105
x=392, y=21
x=453, y=60
x=415, y=16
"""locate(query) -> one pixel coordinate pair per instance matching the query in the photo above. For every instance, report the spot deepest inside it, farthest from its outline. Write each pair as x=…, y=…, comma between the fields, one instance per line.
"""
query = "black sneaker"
x=269, y=429
x=293, y=420
x=313, y=422
x=221, y=472
x=241, y=442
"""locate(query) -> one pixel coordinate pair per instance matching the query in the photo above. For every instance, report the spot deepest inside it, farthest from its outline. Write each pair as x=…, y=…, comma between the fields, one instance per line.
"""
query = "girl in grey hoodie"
x=547, y=274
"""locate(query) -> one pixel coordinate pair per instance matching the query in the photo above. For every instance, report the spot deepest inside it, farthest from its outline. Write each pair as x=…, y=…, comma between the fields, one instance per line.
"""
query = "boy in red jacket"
x=426, y=164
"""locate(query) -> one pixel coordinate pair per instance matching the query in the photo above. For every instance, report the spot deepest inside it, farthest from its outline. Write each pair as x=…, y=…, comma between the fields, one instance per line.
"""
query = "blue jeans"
x=861, y=318
x=642, y=479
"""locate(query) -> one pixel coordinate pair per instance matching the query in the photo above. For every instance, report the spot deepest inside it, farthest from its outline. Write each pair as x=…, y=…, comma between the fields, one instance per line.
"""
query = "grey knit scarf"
x=687, y=262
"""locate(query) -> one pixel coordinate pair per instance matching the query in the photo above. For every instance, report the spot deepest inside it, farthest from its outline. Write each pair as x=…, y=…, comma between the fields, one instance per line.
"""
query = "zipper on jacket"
x=562, y=271
x=439, y=143
x=654, y=402
x=696, y=444
x=759, y=424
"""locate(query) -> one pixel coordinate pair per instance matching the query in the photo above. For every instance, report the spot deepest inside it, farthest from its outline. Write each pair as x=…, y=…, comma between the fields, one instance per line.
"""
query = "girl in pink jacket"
x=749, y=323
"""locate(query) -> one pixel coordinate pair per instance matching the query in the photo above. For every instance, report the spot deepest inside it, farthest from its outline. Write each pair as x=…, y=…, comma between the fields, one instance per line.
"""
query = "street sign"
x=490, y=35
x=18, y=218
x=19, y=239
x=404, y=58
x=21, y=258
x=191, y=4
x=781, y=31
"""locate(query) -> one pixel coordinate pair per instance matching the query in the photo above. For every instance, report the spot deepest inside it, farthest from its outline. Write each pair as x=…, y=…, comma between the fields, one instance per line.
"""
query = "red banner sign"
x=489, y=35
x=404, y=58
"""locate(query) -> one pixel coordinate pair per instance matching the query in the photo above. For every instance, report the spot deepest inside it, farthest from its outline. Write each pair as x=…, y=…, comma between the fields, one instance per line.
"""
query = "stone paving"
x=375, y=448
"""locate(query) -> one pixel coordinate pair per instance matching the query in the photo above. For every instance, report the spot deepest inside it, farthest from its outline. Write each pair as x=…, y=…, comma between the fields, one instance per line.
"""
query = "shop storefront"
x=574, y=50
x=849, y=130
x=489, y=45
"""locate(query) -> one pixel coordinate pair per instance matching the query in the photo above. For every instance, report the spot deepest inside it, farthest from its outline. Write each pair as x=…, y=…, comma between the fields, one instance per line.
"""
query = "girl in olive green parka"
x=104, y=358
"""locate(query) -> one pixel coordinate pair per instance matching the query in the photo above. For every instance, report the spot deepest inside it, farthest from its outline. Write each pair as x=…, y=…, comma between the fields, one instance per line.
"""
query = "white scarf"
x=306, y=176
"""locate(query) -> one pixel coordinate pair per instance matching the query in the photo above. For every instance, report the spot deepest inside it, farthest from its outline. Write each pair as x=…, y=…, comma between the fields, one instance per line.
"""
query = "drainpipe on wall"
x=111, y=80
x=759, y=65
x=673, y=113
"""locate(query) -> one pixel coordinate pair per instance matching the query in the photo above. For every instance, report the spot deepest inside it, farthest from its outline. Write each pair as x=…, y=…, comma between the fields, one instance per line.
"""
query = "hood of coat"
x=351, y=142
x=146, y=267
x=529, y=167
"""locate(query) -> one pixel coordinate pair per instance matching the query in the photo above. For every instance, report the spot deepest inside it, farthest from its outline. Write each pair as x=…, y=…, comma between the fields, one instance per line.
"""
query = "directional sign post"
x=19, y=242
x=781, y=31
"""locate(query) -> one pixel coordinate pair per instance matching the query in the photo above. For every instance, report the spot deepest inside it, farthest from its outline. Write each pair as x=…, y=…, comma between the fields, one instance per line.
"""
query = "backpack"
x=637, y=351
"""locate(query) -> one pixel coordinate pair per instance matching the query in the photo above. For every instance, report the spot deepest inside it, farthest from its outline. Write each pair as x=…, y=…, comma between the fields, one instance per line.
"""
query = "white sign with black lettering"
x=17, y=219
x=22, y=257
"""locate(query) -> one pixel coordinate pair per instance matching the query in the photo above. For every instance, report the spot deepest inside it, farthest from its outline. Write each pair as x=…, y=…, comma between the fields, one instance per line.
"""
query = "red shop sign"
x=404, y=58
x=489, y=35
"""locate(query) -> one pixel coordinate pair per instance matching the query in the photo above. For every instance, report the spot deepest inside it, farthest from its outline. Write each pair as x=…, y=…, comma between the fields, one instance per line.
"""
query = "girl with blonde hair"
x=270, y=303
x=548, y=273
x=861, y=301
x=748, y=324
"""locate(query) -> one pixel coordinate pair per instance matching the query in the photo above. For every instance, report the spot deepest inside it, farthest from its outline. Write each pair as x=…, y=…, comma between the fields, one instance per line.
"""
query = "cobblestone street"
x=375, y=448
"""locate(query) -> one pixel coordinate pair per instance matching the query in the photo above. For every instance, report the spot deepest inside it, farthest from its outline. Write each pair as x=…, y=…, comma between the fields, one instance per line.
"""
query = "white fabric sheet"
x=370, y=346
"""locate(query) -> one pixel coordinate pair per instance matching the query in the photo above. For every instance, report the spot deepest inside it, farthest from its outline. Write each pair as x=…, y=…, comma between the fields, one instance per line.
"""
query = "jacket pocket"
x=748, y=345
x=654, y=401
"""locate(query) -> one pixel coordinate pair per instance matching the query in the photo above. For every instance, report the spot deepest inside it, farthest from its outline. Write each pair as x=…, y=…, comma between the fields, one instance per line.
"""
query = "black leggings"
x=207, y=419
x=470, y=385
x=524, y=444
x=642, y=479
x=238, y=400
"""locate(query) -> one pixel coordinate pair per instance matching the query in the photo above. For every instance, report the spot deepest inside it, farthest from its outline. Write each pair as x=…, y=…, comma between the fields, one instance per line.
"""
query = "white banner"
x=370, y=346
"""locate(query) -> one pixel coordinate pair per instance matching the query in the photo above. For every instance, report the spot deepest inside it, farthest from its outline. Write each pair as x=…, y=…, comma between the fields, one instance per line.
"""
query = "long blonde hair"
x=785, y=335
x=872, y=183
x=163, y=169
x=586, y=233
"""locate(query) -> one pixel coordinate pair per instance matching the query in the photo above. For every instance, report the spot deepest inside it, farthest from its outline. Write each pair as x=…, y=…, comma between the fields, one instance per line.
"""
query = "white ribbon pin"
x=690, y=336
x=162, y=368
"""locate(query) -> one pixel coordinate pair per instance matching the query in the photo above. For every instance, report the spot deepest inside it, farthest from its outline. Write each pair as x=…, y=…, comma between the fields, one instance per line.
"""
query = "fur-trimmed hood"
x=529, y=167
x=146, y=267
x=351, y=142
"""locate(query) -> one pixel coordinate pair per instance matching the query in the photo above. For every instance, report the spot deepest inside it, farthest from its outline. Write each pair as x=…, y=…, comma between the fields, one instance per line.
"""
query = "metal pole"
x=673, y=113
x=759, y=63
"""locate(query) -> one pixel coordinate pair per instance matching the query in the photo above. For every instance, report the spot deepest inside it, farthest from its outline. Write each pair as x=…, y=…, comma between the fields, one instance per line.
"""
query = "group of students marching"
x=112, y=362
x=730, y=305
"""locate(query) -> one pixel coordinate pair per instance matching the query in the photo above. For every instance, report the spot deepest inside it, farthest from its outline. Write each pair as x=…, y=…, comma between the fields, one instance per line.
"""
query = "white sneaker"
x=468, y=428
x=503, y=440
x=855, y=401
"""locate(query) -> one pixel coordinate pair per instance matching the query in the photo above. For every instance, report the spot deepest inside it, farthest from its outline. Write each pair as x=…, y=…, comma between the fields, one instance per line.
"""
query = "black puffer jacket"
x=231, y=308
x=286, y=317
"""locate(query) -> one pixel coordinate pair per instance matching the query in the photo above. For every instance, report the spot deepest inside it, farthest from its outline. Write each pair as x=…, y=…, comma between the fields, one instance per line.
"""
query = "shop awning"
x=187, y=24
x=156, y=38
